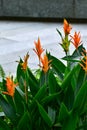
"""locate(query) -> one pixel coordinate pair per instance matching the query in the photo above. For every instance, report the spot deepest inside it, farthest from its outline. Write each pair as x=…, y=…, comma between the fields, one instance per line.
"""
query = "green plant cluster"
x=56, y=100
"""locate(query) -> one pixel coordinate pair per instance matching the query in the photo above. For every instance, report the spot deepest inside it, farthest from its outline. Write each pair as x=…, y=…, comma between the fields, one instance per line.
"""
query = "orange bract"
x=76, y=39
x=24, y=64
x=10, y=87
x=84, y=61
x=38, y=48
x=45, y=63
x=67, y=27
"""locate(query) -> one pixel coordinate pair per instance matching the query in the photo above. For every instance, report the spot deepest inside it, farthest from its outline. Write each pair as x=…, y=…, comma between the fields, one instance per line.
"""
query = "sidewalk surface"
x=17, y=38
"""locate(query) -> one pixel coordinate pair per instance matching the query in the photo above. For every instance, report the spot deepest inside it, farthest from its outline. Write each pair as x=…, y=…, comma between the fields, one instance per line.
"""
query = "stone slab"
x=80, y=8
x=38, y=8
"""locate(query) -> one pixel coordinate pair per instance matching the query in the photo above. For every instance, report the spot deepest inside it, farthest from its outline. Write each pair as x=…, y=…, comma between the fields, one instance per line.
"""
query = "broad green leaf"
x=81, y=99
x=71, y=122
x=19, y=102
x=80, y=79
x=69, y=97
x=51, y=98
x=78, y=52
x=41, y=93
x=39, y=96
x=57, y=66
x=43, y=78
x=3, y=125
x=31, y=75
x=75, y=80
x=52, y=84
x=75, y=57
x=67, y=79
x=8, y=109
x=33, y=83
x=63, y=112
x=45, y=115
x=20, y=72
x=25, y=122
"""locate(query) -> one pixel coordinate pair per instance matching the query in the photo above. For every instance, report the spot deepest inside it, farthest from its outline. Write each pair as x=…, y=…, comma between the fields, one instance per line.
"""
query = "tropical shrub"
x=54, y=97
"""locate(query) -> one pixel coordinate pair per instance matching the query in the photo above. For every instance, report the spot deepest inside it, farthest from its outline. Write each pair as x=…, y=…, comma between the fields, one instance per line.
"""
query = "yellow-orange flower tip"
x=67, y=27
x=38, y=48
x=25, y=62
x=84, y=61
x=76, y=39
x=45, y=63
x=10, y=86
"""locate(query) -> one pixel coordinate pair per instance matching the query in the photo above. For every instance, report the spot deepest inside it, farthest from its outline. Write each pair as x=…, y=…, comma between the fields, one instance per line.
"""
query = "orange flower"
x=76, y=39
x=67, y=27
x=84, y=61
x=38, y=48
x=45, y=63
x=24, y=64
x=10, y=87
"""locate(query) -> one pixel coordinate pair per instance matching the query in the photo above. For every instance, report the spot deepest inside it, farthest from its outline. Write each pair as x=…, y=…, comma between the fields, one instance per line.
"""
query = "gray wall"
x=44, y=8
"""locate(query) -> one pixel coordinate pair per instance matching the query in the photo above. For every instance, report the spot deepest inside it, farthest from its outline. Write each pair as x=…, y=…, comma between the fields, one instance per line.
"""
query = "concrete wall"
x=44, y=8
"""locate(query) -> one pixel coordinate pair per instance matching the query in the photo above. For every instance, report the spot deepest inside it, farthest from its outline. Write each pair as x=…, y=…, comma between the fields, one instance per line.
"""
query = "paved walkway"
x=17, y=38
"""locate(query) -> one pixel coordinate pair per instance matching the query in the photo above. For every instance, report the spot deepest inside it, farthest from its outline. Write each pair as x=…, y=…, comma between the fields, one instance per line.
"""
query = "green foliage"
x=52, y=100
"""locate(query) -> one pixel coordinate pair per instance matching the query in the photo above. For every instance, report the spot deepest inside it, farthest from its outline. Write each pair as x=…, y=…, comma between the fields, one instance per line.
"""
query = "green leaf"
x=67, y=79
x=8, y=109
x=20, y=72
x=81, y=99
x=75, y=57
x=78, y=52
x=31, y=75
x=71, y=122
x=63, y=112
x=57, y=66
x=3, y=125
x=33, y=83
x=59, y=33
x=69, y=97
x=19, y=102
x=43, y=78
x=52, y=83
x=44, y=115
x=51, y=98
x=25, y=122
x=80, y=79
x=2, y=73
x=39, y=96
x=41, y=93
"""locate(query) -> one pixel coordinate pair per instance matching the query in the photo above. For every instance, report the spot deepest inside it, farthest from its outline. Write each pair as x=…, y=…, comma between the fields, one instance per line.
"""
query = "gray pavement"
x=17, y=38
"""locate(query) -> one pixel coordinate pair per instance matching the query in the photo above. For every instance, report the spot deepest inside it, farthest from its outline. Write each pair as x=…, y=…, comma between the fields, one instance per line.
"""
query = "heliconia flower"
x=38, y=48
x=76, y=39
x=67, y=27
x=45, y=63
x=25, y=62
x=10, y=87
x=84, y=61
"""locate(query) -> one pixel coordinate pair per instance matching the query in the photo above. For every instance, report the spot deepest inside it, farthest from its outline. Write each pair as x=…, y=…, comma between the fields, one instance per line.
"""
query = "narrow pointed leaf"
x=63, y=112
x=44, y=115
x=8, y=109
